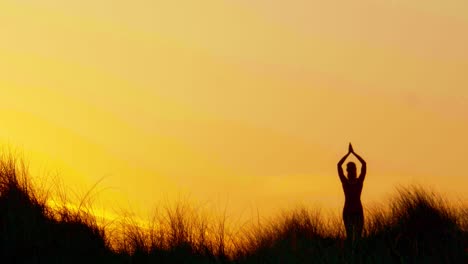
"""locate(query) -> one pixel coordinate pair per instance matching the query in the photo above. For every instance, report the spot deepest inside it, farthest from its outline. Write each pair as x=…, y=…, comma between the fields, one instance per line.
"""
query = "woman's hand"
x=350, y=149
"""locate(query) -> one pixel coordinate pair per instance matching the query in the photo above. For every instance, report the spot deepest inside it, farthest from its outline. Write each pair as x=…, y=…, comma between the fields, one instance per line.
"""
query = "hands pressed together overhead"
x=350, y=149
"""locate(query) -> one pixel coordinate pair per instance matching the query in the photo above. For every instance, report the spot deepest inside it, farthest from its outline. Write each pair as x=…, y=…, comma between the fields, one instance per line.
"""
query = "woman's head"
x=351, y=169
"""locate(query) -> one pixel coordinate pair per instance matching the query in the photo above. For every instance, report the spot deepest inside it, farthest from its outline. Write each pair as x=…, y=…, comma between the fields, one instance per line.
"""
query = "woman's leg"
x=354, y=223
x=348, y=222
x=359, y=224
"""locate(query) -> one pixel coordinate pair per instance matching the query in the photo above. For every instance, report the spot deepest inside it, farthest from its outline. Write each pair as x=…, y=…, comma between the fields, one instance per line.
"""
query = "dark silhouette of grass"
x=31, y=232
x=418, y=227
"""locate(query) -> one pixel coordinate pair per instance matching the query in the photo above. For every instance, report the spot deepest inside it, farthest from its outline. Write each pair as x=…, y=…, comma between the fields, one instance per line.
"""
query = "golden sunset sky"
x=241, y=103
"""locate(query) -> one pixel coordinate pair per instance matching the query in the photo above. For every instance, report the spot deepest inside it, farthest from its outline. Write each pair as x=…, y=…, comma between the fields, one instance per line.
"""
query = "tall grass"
x=417, y=226
x=179, y=233
x=31, y=232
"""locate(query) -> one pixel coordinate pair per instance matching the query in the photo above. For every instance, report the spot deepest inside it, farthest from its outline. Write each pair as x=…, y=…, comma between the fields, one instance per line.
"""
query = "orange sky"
x=244, y=103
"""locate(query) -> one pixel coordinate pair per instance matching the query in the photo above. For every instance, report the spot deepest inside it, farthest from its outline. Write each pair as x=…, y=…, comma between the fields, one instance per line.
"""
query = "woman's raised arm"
x=362, y=176
x=340, y=167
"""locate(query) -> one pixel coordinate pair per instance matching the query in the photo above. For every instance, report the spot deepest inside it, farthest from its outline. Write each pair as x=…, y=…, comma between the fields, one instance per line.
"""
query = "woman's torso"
x=352, y=193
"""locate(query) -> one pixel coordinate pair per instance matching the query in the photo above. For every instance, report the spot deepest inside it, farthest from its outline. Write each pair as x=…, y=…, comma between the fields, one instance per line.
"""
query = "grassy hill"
x=417, y=227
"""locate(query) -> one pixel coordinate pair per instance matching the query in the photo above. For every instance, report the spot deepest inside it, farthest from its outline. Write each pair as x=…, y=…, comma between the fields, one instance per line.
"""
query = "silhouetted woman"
x=353, y=215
